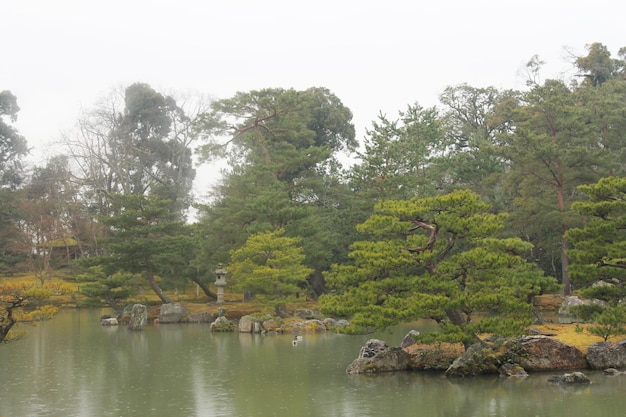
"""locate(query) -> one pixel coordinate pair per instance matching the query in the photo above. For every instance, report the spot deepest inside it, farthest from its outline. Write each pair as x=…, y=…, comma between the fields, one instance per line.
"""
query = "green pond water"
x=71, y=366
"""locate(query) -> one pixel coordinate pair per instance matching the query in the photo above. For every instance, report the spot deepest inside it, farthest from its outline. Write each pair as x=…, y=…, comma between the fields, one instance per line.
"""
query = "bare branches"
x=419, y=224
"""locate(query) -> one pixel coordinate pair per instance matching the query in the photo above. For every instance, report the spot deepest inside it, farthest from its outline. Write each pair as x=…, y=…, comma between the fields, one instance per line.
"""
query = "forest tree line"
x=491, y=189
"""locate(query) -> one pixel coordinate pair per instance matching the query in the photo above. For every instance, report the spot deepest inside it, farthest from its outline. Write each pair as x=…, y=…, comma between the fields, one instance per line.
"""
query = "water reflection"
x=72, y=366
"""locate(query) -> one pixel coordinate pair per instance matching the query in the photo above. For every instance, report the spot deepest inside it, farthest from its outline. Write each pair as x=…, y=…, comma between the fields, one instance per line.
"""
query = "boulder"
x=110, y=321
x=202, y=317
x=172, y=313
x=532, y=353
x=543, y=353
x=409, y=339
x=246, y=324
x=270, y=325
x=480, y=358
x=574, y=301
x=377, y=356
x=573, y=378
x=138, y=317
x=605, y=355
x=435, y=357
x=331, y=323
x=222, y=324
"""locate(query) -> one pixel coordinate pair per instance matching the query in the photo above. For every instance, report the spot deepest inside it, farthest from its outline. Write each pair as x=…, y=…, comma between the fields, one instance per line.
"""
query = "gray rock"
x=172, y=313
x=605, y=355
x=138, y=317
x=246, y=324
x=203, y=317
x=409, y=339
x=574, y=301
x=573, y=378
x=543, y=353
x=377, y=356
x=110, y=321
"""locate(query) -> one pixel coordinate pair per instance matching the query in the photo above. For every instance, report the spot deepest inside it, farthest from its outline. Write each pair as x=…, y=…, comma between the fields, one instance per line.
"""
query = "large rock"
x=246, y=324
x=605, y=355
x=435, y=357
x=172, y=313
x=111, y=321
x=377, y=356
x=202, y=317
x=138, y=317
x=532, y=353
x=543, y=353
x=574, y=301
x=479, y=358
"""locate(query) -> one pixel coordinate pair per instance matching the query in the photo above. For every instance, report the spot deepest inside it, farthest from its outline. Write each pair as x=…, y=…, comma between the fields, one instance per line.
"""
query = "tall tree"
x=472, y=119
x=550, y=154
x=281, y=147
x=598, y=248
x=134, y=142
x=49, y=217
x=147, y=239
x=13, y=146
x=133, y=152
x=563, y=136
x=598, y=66
x=397, y=158
x=437, y=258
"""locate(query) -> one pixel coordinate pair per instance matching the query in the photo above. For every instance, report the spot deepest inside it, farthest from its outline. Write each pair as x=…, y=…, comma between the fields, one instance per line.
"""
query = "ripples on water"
x=71, y=366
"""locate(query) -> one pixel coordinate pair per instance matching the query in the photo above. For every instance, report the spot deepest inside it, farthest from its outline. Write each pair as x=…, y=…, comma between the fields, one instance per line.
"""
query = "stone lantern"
x=220, y=282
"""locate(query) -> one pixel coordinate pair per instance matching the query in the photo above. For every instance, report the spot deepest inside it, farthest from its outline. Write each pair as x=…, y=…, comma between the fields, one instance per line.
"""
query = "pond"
x=71, y=366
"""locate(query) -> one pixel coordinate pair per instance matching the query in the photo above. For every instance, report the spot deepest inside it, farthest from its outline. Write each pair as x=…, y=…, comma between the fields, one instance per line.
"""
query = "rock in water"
x=604, y=355
x=573, y=378
x=172, y=313
x=138, y=317
x=377, y=356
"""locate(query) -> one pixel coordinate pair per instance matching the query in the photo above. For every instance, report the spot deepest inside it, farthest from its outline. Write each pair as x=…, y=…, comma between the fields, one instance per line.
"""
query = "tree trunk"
x=567, y=286
x=457, y=318
x=155, y=287
x=205, y=288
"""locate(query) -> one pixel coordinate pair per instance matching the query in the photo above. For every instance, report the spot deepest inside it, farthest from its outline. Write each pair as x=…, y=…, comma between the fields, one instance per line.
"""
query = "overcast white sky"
x=63, y=55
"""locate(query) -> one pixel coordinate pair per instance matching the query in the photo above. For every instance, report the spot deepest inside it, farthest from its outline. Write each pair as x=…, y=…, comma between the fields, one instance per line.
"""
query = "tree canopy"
x=438, y=258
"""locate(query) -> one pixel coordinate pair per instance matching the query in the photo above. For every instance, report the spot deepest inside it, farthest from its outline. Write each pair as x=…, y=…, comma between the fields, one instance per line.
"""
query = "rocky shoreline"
x=504, y=357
